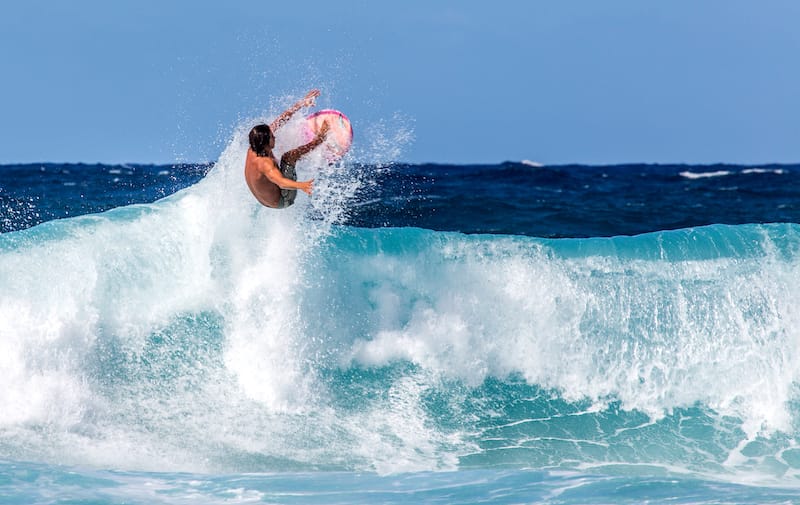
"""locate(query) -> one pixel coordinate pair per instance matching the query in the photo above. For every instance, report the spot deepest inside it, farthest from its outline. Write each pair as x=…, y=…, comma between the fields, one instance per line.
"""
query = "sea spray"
x=128, y=336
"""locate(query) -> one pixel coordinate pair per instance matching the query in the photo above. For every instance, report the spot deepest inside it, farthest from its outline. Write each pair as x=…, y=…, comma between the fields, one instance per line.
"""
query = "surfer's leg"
x=287, y=195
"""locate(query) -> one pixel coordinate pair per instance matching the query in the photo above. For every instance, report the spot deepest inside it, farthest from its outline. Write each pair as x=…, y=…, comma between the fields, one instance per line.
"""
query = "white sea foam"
x=657, y=335
x=722, y=173
x=704, y=175
x=776, y=171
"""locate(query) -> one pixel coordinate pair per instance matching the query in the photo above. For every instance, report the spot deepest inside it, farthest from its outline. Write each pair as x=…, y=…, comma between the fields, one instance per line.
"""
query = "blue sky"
x=160, y=81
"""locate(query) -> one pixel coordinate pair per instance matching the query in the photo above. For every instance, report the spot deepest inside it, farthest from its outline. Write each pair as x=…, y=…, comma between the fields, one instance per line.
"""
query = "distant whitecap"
x=704, y=175
x=777, y=171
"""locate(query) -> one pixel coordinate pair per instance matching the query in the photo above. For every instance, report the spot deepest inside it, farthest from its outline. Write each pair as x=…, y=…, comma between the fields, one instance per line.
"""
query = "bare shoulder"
x=262, y=164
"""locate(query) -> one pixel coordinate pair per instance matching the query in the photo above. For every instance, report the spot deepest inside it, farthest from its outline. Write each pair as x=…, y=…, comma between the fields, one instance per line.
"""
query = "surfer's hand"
x=310, y=98
x=306, y=186
x=324, y=129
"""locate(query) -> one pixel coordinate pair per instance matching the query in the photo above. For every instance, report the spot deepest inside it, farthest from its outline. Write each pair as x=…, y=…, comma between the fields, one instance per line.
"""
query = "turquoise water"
x=201, y=349
x=31, y=483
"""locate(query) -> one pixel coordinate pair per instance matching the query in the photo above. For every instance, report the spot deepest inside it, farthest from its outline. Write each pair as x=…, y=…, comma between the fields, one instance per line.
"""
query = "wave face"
x=204, y=333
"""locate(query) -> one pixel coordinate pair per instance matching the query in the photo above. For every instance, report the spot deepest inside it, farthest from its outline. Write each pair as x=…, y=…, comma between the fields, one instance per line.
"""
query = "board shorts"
x=287, y=195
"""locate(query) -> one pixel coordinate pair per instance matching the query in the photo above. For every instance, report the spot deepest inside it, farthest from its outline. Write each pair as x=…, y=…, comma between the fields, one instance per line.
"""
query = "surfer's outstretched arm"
x=307, y=101
x=295, y=154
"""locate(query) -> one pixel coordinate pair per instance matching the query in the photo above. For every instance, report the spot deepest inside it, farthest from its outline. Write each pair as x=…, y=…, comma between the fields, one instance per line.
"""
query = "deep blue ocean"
x=507, y=333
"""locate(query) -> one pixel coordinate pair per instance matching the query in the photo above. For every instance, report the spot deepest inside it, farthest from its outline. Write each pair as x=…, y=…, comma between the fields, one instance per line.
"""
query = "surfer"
x=275, y=184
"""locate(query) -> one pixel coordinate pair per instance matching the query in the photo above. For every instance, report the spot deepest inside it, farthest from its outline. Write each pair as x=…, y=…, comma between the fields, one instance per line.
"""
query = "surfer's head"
x=261, y=140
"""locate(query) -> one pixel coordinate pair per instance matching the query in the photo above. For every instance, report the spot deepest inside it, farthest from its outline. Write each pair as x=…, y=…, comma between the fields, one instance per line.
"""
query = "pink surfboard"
x=340, y=136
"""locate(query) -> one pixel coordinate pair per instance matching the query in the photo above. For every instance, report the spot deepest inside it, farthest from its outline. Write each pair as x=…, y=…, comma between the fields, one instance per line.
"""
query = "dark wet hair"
x=260, y=136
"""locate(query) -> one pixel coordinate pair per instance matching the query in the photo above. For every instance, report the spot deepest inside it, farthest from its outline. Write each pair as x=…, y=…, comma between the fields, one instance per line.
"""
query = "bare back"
x=255, y=169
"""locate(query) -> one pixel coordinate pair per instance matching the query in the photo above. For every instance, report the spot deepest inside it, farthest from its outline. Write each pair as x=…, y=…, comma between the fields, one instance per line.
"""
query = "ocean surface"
x=509, y=333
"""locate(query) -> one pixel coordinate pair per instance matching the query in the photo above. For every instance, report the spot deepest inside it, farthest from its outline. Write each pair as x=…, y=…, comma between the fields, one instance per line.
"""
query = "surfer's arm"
x=297, y=153
x=307, y=101
x=276, y=177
